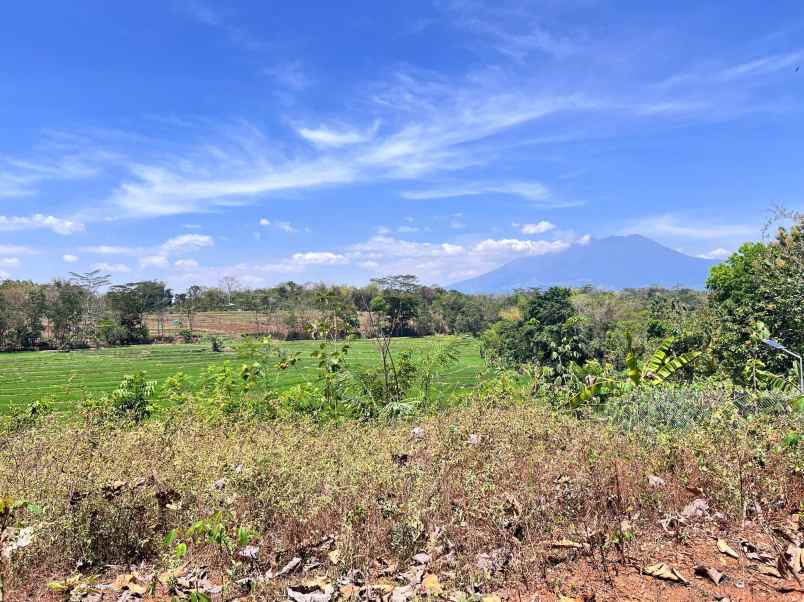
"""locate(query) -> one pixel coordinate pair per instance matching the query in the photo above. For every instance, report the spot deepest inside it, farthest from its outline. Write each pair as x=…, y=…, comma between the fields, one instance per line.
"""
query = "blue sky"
x=337, y=141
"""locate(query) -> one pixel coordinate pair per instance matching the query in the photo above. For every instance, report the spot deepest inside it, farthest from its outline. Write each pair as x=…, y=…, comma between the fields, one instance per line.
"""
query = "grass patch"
x=69, y=377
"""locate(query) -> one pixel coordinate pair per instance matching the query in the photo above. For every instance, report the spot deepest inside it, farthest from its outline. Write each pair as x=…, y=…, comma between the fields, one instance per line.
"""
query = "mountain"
x=615, y=262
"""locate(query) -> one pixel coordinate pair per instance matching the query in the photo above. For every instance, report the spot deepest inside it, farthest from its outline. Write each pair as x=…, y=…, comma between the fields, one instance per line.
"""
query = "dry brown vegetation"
x=509, y=499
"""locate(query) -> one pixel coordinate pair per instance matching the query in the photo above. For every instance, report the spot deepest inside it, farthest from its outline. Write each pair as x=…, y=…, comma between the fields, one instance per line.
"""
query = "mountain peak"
x=614, y=262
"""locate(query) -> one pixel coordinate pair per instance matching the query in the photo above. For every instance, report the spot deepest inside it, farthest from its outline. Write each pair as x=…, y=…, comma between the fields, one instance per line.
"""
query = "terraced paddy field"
x=68, y=377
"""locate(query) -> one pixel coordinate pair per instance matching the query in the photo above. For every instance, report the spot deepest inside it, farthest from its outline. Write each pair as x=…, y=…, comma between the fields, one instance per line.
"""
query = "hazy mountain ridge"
x=616, y=262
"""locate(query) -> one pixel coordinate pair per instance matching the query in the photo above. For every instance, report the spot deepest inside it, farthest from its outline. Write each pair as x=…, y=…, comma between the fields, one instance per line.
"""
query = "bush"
x=131, y=401
x=187, y=336
x=112, y=333
x=215, y=344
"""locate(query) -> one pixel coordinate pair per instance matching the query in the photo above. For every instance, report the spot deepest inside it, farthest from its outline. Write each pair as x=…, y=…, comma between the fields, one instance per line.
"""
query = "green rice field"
x=65, y=378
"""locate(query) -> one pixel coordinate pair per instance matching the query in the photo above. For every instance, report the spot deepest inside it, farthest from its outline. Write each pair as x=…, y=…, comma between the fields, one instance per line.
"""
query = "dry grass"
x=489, y=477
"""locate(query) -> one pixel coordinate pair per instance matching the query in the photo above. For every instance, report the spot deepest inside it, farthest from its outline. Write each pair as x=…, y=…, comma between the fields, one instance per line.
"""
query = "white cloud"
x=154, y=261
x=538, y=228
x=70, y=258
x=112, y=268
x=16, y=250
x=719, y=253
x=525, y=247
x=9, y=262
x=110, y=250
x=445, y=262
x=329, y=137
x=186, y=264
x=319, y=258
x=513, y=33
x=180, y=188
x=532, y=191
x=265, y=222
x=286, y=227
x=763, y=66
x=40, y=221
x=408, y=229
x=4, y=275
x=431, y=126
x=670, y=225
x=21, y=177
x=187, y=243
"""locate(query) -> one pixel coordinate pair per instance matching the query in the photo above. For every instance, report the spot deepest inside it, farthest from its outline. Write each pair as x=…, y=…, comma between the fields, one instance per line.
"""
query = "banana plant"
x=660, y=366
x=657, y=369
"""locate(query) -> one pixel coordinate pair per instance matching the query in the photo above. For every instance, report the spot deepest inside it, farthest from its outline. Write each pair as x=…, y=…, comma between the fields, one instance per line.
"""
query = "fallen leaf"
x=492, y=561
x=15, y=540
x=136, y=588
x=347, y=592
x=726, y=549
x=432, y=586
x=666, y=572
x=491, y=598
x=566, y=543
x=412, y=576
x=290, y=567
x=656, y=482
x=380, y=586
x=422, y=558
x=770, y=571
x=334, y=556
x=697, y=508
x=402, y=594
x=713, y=575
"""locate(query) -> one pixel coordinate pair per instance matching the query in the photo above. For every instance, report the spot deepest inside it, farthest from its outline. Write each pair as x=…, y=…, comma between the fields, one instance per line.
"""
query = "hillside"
x=616, y=262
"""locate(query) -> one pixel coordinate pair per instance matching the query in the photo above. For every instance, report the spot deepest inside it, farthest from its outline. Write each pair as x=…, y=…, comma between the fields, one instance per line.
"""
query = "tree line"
x=754, y=295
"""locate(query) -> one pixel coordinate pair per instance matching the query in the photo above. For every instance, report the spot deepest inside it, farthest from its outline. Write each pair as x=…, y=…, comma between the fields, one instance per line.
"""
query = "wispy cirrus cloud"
x=16, y=250
x=21, y=177
x=40, y=221
x=337, y=136
x=432, y=126
x=532, y=191
x=510, y=30
x=672, y=225
x=290, y=74
x=762, y=66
